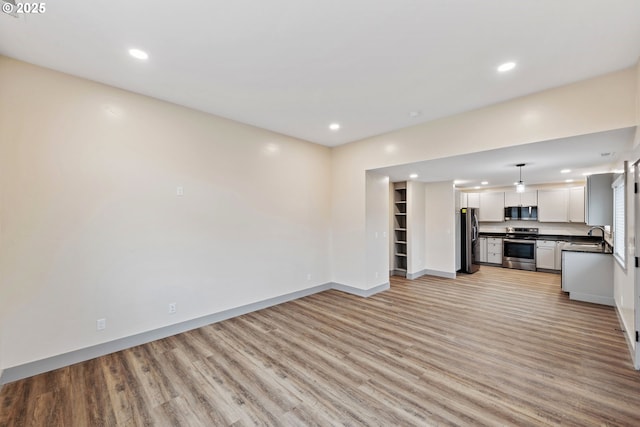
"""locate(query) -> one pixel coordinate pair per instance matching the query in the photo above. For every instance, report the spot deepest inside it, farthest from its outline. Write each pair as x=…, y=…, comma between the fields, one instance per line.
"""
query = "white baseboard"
x=596, y=299
x=49, y=364
x=629, y=337
x=427, y=272
x=66, y=359
x=360, y=292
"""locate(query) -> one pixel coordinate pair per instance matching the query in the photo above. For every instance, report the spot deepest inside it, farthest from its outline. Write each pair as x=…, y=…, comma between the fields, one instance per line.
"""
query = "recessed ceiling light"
x=568, y=180
x=476, y=188
x=587, y=173
x=414, y=114
x=507, y=66
x=484, y=182
x=139, y=54
x=334, y=126
x=565, y=171
x=413, y=176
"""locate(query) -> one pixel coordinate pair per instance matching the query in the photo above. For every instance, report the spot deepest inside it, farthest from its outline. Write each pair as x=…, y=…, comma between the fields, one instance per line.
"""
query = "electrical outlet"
x=101, y=324
x=172, y=308
x=308, y=276
x=180, y=191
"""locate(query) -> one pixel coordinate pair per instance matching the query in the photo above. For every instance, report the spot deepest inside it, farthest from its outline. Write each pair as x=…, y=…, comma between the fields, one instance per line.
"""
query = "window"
x=619, y=247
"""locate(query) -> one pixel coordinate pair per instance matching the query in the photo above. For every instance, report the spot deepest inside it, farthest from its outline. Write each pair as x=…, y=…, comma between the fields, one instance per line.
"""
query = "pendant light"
x=520, y=184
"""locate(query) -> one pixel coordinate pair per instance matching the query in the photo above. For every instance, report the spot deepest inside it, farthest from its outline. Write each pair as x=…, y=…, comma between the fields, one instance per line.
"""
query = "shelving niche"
x=400, y=228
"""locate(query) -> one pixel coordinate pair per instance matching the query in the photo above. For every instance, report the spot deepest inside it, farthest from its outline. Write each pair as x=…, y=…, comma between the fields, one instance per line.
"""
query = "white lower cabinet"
x=546, y=254
x=588, y=276
x=494, y=250
x=483, y=248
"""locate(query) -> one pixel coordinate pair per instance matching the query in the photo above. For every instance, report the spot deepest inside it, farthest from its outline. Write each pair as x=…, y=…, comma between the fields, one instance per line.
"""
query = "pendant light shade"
x=520, y=184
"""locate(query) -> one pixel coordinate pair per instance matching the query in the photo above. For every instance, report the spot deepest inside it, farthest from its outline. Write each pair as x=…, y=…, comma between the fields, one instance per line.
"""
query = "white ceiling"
x=294, y=66
x=543, y=162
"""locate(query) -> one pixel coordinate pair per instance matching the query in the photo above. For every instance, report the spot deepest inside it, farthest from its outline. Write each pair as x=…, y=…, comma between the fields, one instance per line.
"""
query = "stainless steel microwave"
x=521, y=213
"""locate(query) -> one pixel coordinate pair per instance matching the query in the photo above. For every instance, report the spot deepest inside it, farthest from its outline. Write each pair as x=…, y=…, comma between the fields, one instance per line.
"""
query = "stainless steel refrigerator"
x=469, y=245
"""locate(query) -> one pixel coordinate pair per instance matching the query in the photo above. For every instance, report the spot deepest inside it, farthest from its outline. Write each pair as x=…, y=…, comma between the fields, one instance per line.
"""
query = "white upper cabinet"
x=462, y=200
x=599, y=203
x=511, y=198
x=576, y=204
x=528, y=198
x=553, y=205
x=561, y=205
x=473, y=200
x=492, y=207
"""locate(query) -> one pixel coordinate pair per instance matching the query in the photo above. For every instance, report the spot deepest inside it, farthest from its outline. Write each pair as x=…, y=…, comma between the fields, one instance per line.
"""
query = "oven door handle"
x=533, y=242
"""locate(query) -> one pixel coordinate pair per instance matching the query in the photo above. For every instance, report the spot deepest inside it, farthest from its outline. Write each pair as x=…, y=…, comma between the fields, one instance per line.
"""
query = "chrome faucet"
x=597, y=227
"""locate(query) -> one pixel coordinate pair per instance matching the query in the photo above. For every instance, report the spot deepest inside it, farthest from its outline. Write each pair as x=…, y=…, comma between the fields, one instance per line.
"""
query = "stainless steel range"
x=519, y=248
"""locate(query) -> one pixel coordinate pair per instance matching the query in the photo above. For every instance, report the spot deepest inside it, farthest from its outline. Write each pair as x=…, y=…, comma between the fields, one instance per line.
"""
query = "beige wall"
x=416, y=222
x=440, y=231
x=377, y=228
x=91, y=225
x=599, y=104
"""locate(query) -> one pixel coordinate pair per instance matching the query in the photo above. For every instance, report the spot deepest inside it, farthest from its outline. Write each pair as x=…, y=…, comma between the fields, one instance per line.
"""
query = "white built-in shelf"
x=400, y=227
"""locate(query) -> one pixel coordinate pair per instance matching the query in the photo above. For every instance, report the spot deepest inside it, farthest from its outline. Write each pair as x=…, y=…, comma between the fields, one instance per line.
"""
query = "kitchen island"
x=587, y=273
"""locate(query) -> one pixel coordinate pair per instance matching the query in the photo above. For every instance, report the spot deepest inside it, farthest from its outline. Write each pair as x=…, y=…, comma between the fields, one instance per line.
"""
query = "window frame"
x=619, y=231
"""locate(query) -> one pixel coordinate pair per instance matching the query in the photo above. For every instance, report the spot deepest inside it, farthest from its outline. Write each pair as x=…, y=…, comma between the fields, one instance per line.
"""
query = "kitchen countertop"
x=562, y=237
x=607, y=249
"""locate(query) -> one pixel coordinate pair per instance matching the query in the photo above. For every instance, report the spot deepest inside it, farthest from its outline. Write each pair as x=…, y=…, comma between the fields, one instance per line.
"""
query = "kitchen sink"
x=587, y=245
x=595, y=247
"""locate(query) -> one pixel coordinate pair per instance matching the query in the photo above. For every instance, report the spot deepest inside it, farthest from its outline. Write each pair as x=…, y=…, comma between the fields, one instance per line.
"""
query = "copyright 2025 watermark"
x=15, y=8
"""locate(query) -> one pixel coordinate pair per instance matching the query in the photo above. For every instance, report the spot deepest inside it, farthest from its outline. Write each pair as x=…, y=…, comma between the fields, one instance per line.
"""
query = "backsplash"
x=560, y=228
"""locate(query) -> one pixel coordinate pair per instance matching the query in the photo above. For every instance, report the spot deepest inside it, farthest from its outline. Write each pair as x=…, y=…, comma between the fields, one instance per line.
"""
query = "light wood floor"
x=499, y=347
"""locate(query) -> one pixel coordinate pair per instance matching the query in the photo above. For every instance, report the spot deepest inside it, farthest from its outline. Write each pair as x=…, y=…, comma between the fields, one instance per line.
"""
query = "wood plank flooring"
x=499, y=347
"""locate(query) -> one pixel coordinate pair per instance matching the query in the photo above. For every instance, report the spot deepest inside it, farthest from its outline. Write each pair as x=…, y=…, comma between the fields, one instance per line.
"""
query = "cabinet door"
x=494, y=250
x=511, y=198
x=492, y=206
x=529, y=198
x=559, y=246
x=576, y=204
x=483, y=249
x=494, y=244
x=473, y=200
x=599, y=199
x=494, y=258
x=553, y=205
x=546, y=257
x=463, y=200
